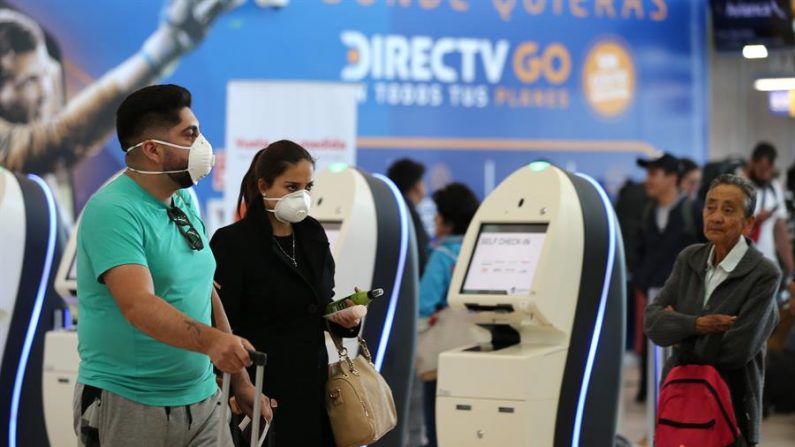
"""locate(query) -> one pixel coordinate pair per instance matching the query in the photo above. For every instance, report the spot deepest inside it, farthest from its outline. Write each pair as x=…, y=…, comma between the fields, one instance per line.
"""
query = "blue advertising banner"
x=472, y=88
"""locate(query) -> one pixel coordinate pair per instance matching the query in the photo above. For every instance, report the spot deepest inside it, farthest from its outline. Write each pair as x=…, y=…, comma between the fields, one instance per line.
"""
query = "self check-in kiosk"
x=372, y=241
x=541, y=267
x=31, y=237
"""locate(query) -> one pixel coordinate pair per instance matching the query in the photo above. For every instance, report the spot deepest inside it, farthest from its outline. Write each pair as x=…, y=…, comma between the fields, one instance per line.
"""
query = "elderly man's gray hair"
x=748, y=189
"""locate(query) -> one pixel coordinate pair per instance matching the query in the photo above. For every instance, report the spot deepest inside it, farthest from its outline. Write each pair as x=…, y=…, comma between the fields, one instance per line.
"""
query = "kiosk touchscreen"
x=543, y=272
x=505, y=259
x=372, y=240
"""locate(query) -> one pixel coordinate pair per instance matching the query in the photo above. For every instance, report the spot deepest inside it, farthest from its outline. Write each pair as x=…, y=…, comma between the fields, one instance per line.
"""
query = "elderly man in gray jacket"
x=718, y=305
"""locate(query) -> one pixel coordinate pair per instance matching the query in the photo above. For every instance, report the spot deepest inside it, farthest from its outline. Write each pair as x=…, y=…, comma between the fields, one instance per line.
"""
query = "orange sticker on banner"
x=609, y=78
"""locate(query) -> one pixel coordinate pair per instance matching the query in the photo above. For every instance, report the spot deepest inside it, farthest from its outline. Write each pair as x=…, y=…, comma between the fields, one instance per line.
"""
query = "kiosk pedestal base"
x=485, y=399
x=61, y=362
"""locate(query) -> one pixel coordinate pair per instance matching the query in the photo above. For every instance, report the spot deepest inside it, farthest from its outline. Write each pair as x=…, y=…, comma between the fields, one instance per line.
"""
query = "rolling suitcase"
x=259, y=359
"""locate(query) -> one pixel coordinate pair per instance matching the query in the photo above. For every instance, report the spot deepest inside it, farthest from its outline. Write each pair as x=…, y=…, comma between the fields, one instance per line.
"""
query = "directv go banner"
x=472, y=88
x=476, y=89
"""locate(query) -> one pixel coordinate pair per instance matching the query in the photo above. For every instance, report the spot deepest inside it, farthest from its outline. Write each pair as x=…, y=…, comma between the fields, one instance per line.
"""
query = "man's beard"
x=182, y=179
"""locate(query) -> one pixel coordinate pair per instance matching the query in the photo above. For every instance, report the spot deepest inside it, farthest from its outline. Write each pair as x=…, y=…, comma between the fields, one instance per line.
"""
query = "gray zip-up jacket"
x=749, y=293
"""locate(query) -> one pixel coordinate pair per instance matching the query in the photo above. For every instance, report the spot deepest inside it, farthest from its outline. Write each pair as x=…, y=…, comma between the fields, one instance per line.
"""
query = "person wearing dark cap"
x=669, y=223
x=407, y=175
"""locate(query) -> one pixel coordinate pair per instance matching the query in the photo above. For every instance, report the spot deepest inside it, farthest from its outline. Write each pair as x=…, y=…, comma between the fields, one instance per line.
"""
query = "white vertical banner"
x=320, y=116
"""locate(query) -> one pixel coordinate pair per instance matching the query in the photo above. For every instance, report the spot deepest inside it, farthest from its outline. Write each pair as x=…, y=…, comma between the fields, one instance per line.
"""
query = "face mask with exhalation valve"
x=291, y=208
x=200, y=162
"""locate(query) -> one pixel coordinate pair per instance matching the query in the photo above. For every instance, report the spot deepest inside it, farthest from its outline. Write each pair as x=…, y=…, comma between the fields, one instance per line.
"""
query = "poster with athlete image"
x=473, y=89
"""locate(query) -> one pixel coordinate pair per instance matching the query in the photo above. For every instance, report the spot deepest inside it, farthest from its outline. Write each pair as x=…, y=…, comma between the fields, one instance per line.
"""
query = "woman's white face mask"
x=200, y=161
x=291, y=208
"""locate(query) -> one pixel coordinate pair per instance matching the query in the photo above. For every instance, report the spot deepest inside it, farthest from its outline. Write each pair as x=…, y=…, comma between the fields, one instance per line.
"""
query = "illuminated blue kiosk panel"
x=541, y=267
x=31, y=239
x=373, y=243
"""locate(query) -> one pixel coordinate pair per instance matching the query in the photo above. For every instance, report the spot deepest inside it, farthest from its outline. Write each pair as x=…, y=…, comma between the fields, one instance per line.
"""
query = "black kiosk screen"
x=505, y=259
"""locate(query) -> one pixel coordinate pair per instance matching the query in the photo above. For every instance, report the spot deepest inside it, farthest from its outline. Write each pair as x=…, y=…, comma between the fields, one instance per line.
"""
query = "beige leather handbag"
x=358, y=400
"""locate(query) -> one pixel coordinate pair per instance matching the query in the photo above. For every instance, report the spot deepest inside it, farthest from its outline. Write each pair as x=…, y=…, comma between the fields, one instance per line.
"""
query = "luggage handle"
x=259, y=359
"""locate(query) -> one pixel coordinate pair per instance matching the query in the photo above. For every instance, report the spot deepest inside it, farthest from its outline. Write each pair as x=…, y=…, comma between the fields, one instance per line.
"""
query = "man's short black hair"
x=456, y=204
x=153, y=107
x=764, y=150
x=405, y=173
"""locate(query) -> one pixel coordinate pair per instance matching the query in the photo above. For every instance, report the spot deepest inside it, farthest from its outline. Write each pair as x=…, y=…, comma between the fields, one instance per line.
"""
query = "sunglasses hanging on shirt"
x=185, y=227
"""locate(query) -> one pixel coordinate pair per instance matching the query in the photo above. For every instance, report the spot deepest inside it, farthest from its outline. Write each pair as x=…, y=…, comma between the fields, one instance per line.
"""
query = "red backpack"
x=695, y=409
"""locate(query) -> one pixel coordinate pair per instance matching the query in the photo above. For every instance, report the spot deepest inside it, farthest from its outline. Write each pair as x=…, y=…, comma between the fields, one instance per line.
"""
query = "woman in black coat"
x=275, y=275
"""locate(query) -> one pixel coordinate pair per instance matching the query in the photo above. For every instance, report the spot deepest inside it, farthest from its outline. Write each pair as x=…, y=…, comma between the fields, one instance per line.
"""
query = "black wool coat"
x=279, y=308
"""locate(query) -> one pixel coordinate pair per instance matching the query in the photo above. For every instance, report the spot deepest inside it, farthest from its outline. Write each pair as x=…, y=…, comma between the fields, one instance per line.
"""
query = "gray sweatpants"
x=102, y=418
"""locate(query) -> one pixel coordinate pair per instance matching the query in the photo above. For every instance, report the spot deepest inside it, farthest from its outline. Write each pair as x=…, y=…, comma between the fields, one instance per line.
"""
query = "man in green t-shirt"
x=150, y=321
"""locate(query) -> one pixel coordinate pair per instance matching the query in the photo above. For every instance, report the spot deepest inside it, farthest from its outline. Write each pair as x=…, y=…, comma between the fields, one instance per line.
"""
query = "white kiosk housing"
x=31, y=238
x=372, y=241
x=541, y=267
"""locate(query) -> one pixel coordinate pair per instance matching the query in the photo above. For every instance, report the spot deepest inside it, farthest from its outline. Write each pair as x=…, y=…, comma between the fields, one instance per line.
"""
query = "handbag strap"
x=343, y=351
x=365, y=349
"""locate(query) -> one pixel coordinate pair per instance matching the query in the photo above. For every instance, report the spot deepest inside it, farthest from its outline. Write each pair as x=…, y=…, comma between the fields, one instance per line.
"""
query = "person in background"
x=407, y=176
x=770, y=232
x=275, y=276
x=150, y=319
x=791, y=181
x=690, y=182
x=456, y=205
x=669, y=223
x=718, y=306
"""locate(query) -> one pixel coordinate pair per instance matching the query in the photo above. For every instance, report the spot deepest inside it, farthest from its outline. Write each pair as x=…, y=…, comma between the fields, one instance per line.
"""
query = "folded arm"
x=667, y=327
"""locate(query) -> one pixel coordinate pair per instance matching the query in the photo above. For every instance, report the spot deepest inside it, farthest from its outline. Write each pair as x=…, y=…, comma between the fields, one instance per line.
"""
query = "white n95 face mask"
x=291, y=208
x=200, y=161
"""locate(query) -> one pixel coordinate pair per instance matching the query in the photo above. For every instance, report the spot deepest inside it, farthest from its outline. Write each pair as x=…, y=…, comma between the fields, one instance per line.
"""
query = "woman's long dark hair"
x=268, y=164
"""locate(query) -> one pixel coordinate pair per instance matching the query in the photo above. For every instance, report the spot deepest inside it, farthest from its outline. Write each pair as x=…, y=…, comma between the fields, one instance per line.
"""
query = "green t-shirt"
x=124, y=224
